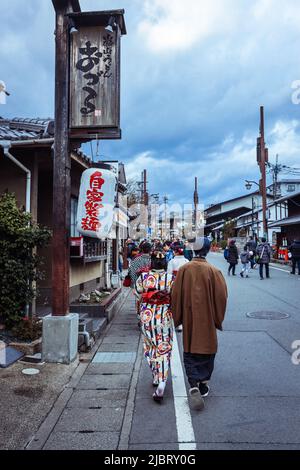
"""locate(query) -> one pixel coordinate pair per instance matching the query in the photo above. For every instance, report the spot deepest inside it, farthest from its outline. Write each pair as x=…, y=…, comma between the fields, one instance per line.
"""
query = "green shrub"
x=223, y=244
x=19, y=264
x=28, y=329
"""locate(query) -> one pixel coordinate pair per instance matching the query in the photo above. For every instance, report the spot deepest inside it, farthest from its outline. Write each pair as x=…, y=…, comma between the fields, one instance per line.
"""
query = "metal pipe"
x=6, y=148
x=86, y=336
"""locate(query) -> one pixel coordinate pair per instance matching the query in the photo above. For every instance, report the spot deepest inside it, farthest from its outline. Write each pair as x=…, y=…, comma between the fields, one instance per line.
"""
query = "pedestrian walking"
x=140, y=263
x=178, y=260
x=187, y=251
x=175, y=264
x=156, y=320
x=294, y=249
x=233, y=257
x=120, y=263
x=245, y=260
x=252, y=246
x=168, y=251
x=198, y=302
x=264, y=252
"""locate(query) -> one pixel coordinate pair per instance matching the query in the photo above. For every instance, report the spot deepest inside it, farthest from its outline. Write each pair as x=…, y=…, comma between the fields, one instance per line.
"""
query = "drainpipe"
x=6, y=148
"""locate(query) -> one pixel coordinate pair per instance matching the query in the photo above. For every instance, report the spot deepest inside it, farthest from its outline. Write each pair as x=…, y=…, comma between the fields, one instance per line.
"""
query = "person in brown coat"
x=198, y=302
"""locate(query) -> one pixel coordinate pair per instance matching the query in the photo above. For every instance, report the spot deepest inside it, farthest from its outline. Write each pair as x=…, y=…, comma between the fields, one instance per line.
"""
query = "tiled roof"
x=26, y=129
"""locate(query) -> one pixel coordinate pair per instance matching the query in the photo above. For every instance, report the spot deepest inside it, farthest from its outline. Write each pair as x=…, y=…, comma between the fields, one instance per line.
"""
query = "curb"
x=38, y=441
x=129, y=409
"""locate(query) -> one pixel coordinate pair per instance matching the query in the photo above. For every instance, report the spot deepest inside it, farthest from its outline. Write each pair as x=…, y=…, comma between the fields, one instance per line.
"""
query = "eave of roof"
x=295, y=220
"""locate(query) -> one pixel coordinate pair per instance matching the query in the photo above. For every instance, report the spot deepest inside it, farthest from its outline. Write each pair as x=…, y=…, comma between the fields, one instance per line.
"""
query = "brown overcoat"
x=198, y=302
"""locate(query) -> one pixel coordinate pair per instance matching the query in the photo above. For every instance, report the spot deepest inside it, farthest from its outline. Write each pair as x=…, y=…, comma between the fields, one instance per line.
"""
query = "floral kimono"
x=156, y=321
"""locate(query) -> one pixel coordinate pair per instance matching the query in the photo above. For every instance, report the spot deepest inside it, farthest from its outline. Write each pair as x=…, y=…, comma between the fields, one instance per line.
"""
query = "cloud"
x=194, y=74
x=177, y=25
x=222, y=173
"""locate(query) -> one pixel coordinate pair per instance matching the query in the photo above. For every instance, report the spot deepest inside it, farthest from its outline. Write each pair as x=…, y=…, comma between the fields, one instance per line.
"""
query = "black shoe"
x=158, y=398
x=204, y=389
x=292, y=273
x=241, y=274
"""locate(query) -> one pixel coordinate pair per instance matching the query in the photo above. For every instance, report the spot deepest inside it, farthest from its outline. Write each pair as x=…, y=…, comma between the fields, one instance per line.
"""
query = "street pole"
x=60, y=330
x=262, y=157
x=275, y=179
x=196, y=201
x=165, y=202
x=61, y=163
x=146, y=201
x=252, y=218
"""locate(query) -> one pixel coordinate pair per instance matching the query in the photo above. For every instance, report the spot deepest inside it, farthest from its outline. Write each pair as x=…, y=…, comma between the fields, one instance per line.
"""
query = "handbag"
x=127, y=281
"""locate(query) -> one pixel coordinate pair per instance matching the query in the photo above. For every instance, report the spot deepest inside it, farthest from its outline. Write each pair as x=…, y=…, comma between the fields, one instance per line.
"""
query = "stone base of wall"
x=45, y=293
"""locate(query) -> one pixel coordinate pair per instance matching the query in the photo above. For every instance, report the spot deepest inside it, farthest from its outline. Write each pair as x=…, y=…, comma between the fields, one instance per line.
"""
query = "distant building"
x=231, y=209
x=287, y=227
x=284, y=187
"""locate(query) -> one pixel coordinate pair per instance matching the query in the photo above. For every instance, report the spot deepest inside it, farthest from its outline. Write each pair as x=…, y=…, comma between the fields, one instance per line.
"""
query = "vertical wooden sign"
x=95, y=76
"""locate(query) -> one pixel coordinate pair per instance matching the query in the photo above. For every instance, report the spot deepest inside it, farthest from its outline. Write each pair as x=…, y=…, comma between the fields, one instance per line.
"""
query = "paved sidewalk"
x=95, y=409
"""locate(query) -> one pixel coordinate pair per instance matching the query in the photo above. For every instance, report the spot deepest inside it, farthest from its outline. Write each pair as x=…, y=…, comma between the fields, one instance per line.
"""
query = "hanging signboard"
x=96, y=202
x=95, y=74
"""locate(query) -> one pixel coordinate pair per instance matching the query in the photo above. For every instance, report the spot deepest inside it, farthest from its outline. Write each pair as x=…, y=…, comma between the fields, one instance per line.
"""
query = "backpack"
x=226, y=253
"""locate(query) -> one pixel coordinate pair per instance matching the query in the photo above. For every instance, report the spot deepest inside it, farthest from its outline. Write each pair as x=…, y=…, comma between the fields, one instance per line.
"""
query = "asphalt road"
x=255, y=389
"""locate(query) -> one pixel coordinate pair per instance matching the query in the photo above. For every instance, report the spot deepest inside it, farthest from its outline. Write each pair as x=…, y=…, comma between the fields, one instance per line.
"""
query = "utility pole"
x=165, y=203
x=196, y=202
x=153, y=216
x=262, y=160
x=145, y=200
x=275, y=179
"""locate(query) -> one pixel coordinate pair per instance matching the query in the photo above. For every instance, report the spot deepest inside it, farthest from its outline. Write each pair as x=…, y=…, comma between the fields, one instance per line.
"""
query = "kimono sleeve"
x=177, y=298
x=220, y=299
x=139, y=284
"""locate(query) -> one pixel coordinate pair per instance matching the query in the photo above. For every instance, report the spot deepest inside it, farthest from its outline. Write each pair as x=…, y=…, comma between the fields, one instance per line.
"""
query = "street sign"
x=95, y=74
x=96, y=202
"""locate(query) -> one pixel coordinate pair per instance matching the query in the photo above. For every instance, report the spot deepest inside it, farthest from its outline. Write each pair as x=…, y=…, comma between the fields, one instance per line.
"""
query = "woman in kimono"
x=156, y=320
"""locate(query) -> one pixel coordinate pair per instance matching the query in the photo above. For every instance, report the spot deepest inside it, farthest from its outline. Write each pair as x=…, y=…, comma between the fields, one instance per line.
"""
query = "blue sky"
x=194, y=74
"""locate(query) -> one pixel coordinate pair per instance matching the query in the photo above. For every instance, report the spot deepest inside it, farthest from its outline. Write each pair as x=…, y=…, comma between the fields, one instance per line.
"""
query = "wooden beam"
x=68, y=5
x=61, y=166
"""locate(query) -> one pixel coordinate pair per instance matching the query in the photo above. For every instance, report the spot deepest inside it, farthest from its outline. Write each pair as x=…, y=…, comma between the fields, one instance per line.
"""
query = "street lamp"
x=248, y=184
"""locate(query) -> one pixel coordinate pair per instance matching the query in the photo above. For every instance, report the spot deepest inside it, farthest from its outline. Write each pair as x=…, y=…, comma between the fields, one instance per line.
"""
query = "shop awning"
x=287, y=221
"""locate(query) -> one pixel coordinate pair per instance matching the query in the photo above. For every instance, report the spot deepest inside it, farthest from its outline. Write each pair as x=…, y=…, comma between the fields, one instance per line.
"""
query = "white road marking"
x=279, y=269
x=185, y=430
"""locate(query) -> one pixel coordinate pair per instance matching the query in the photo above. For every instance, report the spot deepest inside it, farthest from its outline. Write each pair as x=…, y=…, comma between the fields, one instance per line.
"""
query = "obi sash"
x=156, y=297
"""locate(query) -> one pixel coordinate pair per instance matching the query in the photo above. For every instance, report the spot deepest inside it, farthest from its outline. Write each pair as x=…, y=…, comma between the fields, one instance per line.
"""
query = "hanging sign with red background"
x=96, y=202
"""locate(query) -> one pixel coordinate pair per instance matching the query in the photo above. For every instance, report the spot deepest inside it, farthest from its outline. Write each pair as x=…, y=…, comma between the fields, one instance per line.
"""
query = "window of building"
x=291, y=188
x=74, y=206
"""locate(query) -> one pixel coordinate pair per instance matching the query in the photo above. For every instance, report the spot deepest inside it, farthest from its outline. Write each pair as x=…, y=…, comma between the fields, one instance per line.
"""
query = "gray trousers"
x=198, y=367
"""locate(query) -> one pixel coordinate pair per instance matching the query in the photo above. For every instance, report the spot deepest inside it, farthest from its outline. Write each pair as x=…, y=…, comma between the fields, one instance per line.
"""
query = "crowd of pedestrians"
x=175, y=287
x=257, y=253
x=253, y=253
